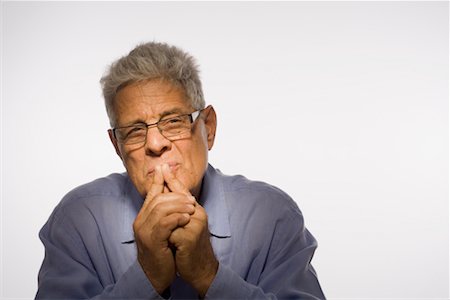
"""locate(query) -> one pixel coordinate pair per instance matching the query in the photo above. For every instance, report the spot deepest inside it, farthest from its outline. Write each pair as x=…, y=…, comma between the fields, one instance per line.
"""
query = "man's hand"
x=159, y=216
x=194, y=258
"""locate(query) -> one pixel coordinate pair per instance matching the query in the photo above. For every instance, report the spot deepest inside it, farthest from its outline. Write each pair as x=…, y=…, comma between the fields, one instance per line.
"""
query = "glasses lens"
x=177, y=127
x=132, y=135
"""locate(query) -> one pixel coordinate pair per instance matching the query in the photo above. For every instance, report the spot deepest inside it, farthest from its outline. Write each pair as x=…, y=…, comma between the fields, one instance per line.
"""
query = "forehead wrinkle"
x=152, y=94
x=158, y=117
x=140, y=90
x=146, y=91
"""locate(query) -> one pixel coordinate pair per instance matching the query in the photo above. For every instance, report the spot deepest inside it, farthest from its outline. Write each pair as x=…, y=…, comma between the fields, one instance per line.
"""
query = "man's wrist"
x=203, y=284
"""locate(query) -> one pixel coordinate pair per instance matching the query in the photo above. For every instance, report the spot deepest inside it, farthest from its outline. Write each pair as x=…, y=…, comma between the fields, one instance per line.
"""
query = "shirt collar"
x=131, y=204
x=212, y=199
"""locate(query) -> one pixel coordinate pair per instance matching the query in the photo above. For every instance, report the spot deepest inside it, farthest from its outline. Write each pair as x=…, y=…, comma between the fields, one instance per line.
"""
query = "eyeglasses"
x=174, y=128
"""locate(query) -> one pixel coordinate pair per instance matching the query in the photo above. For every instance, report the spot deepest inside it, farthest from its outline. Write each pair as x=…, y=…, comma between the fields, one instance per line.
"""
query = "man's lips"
x=172, y=165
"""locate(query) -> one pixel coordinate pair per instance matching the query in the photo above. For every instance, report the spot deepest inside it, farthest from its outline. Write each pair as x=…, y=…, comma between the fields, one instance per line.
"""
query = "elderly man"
x=172, y=226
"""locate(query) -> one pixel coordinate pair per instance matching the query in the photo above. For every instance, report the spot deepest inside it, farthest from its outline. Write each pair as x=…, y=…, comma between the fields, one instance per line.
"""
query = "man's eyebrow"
x=173, y=111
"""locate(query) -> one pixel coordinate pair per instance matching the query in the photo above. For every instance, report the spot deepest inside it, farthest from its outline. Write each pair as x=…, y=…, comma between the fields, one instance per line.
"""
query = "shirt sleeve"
x=67, y=271
x=287, y=272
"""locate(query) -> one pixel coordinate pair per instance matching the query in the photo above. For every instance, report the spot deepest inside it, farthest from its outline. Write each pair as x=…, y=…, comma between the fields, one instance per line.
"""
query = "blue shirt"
x=257, y=233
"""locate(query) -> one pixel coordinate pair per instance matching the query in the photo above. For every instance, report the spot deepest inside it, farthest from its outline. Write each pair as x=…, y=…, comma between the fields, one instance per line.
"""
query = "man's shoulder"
x=242, y=191
x=100, y=205
x=111, y=185
x=101, y=191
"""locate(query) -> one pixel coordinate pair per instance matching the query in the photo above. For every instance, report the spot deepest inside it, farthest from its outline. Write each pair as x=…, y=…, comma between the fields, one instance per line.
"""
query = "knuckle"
x=136, y=225
x=166, y=222
x=157, y=208
x=158, y=198
x=202, y=213
x=138, y=233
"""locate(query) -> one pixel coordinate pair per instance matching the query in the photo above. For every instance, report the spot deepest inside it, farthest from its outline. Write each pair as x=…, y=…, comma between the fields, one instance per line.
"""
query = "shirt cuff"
x=228, y=285
x=134, y=284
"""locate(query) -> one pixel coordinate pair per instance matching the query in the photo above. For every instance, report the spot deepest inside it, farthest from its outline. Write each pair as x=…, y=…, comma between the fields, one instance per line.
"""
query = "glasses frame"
x=193, y=116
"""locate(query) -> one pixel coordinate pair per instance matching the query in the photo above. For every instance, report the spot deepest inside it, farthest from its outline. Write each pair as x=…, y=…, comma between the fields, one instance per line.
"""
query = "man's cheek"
x=188, y=178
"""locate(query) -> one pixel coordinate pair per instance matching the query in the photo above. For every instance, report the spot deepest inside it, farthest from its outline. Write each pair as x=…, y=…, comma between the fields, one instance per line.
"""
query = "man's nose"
x=156, y=144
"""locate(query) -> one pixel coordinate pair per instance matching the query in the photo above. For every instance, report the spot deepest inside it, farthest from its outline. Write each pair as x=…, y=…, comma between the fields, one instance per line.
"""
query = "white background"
x=342, y=105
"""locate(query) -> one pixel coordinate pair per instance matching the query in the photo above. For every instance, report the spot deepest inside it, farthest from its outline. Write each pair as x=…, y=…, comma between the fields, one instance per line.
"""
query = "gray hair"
x=153, y=61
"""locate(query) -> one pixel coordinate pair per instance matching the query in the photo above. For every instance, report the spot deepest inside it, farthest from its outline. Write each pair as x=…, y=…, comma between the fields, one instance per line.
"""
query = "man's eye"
x=172, y=123
x=136, y=131
x=174, y=120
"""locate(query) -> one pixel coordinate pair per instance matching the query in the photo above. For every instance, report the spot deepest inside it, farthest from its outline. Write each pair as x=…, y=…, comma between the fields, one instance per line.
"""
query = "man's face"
x=147, y=102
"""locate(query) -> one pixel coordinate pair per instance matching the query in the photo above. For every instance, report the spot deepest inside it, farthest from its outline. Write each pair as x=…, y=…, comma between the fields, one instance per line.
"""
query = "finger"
x=198, y=223
x=172, y=182
x=156, y=187
x=168, y=224
x=162, y=205
x=178, y=235
x=170, y=197
x=152, y=219
x=159, y=209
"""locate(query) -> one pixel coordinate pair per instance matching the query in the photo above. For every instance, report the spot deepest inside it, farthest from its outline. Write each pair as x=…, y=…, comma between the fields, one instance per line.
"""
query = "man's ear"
x=114, y=142
x=210, y=125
